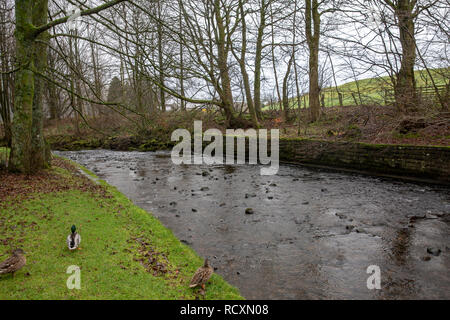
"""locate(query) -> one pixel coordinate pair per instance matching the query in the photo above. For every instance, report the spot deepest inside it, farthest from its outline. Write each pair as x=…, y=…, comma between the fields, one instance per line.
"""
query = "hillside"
x=372, y=90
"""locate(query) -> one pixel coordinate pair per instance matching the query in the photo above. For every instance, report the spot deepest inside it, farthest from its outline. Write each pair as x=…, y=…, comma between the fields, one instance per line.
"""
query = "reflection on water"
x=312, y=235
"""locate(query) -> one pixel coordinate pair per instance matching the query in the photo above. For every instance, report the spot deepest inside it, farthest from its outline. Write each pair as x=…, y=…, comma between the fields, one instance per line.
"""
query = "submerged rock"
x=434, y=251
x=249, y=211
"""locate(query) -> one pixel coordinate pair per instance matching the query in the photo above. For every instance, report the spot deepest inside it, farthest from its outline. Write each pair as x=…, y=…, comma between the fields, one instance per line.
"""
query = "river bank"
x=126, y=252
x=410, y=162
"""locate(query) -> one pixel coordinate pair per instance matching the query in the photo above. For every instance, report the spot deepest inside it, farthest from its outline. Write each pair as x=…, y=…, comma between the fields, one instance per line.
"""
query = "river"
x=312, y=235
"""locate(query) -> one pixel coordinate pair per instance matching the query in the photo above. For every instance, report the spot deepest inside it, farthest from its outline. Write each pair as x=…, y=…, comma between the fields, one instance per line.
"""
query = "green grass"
x=112, y=230
x=371, y=90
x=4, y=154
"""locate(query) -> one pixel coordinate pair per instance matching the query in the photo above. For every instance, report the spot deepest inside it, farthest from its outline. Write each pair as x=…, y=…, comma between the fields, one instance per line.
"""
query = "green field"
x=372, y=90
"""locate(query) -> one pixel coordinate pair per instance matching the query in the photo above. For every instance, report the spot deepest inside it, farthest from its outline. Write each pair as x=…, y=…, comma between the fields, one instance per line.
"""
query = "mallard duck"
x=73, y=239
x=13, y=263
x=202, y=275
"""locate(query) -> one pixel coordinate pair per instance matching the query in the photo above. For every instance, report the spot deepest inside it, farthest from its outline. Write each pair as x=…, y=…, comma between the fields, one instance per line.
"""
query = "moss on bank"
x=126, y=252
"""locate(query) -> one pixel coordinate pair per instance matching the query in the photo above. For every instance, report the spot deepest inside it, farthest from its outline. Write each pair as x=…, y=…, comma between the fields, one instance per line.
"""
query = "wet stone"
x=249, y=211
x=434, y=251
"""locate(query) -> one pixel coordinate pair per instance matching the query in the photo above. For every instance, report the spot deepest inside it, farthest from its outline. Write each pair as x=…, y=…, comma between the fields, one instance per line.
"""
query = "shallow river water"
x=312, y=235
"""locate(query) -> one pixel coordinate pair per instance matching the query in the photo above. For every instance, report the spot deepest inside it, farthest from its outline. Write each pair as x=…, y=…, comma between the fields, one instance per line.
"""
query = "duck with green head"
x=73, y=239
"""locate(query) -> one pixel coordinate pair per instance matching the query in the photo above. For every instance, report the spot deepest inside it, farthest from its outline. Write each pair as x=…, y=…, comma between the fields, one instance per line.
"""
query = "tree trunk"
x=182, y=103
x=28, y=149
x=258, y=60
x=5, y=82
x=20, y=158
x=241, y=60
x=405, y=89
x=39, y=156
x=162, y=93
x=222, y=61
x=285, y=89
x=312, y=19
x=275, y=74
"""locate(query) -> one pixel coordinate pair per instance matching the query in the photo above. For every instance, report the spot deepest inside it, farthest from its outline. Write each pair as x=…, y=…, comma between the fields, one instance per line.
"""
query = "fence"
x=428, y=93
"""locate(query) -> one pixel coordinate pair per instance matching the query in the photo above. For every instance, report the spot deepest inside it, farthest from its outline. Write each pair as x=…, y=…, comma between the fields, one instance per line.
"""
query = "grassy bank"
x=126, y=252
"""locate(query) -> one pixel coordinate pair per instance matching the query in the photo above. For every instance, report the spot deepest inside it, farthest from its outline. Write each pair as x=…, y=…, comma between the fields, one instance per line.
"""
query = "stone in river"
x=434, y=251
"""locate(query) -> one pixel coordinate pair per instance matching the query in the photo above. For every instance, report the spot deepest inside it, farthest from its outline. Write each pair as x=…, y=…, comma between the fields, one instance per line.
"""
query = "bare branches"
x=88, y=12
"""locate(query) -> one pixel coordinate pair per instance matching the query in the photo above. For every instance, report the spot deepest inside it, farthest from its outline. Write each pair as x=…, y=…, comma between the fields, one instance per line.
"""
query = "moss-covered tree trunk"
x=28, y=151
x=40, y=154
x=20, y=159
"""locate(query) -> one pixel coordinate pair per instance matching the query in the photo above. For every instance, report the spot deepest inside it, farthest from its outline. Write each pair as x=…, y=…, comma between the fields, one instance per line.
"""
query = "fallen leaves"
x=154, y=262
x=18, y=187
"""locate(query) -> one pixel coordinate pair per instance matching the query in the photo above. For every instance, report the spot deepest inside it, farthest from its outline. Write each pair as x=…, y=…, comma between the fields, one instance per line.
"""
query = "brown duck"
x=202, y=275
x=13, y=263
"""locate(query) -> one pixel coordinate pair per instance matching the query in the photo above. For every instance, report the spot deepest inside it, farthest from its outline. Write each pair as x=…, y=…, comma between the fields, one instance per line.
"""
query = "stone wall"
x=414, y=162
x=419, y=163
